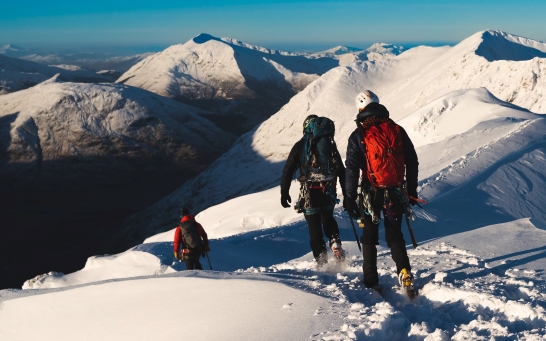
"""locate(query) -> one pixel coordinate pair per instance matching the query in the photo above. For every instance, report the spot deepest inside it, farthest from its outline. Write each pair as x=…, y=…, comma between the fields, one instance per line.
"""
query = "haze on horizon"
x=125, y=27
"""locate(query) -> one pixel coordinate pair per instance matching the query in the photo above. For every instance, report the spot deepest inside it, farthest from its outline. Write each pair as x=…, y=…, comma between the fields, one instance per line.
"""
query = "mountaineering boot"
x=339, y=253
x=405, y=279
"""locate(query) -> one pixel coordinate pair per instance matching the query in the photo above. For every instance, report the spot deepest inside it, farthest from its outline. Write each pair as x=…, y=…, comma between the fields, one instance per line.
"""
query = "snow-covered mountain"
x=17, y=74
x=510, y=67
x=347, y=55
x=228, y=77
x=479, y=266
x=87, y=151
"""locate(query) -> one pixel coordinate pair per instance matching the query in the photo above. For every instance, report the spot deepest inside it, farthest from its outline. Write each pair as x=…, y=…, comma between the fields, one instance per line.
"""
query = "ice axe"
x=354, y=230
x=411, y=232
x=210, y=266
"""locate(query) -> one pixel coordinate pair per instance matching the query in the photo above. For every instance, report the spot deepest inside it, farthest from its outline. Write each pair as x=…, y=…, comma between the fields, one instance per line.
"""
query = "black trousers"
x=193, y=263
x=393, y=235
x=322, y=218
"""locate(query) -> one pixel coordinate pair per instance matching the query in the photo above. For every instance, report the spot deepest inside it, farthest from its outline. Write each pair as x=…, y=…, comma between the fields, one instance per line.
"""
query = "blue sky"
x=291, y=25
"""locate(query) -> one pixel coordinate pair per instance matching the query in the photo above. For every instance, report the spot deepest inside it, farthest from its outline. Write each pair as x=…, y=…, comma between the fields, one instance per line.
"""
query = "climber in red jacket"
x=192, y=239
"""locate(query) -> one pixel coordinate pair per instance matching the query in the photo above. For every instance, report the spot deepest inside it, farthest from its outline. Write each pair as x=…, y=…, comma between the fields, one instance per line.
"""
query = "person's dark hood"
x=372, y=110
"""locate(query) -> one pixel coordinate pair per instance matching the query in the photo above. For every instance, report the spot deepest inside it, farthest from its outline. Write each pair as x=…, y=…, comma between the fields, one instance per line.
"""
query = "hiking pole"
x=354, y=230
x=210, y=266
x=411, y=232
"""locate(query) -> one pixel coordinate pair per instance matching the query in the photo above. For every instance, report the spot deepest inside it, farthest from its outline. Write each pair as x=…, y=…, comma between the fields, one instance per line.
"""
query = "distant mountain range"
x=94, y=61
x=18, y=74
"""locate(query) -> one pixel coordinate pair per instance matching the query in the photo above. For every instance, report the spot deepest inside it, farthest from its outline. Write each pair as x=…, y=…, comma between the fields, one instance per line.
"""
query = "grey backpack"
x=192, y=239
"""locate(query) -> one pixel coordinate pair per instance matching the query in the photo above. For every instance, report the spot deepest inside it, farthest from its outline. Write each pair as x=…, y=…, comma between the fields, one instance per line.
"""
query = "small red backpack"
x=384, y=153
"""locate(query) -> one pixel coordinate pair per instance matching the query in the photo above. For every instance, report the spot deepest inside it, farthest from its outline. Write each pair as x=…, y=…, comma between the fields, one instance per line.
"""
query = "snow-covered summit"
x=498, y=45
x=227, y=76
x=210, y=67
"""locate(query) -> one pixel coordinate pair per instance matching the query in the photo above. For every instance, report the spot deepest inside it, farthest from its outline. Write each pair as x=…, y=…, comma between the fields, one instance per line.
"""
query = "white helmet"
x=364, y=98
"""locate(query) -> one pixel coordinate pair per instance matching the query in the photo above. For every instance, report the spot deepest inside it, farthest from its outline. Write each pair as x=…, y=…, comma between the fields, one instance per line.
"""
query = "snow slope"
x=17, y=74
x=464, y=295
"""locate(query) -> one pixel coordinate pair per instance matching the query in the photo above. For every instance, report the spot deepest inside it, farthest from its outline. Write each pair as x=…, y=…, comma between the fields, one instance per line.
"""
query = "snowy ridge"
x=456, y=113
x=520, y=82
x=236, y=42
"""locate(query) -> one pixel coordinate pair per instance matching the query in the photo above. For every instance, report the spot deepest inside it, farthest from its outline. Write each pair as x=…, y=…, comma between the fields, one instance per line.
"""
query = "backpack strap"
x=362, y=145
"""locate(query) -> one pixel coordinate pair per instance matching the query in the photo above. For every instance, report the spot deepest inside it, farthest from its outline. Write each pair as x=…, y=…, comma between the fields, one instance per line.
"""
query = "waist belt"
x=314, y=185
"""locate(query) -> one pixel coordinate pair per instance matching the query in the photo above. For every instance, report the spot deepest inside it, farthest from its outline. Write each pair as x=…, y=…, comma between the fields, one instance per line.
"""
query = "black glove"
x=412, y=193
x=351, y=207
x=285, y=200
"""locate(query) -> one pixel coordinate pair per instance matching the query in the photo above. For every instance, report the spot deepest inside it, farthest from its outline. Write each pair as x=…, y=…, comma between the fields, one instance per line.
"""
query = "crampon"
x=406, y=282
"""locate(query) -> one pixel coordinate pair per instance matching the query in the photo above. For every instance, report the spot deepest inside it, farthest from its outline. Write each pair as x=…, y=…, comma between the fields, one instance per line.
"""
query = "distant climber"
x=191, y=239
x=320, y=166
x=382, y=152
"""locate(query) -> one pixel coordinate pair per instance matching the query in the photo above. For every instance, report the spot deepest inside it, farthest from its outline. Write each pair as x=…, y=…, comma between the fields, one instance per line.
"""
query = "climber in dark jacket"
x=317, y=202
x=372, y=113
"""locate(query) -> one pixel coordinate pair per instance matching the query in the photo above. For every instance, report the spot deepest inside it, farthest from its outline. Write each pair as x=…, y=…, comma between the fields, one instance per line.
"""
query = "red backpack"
x=384, y=153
